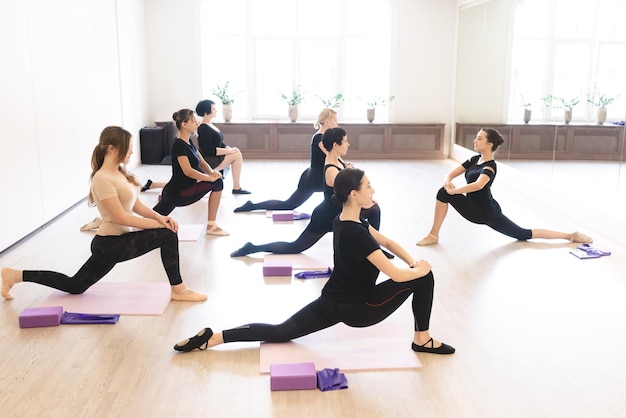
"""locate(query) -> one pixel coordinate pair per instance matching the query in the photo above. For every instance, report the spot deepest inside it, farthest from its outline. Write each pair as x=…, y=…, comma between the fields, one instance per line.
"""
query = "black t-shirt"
x=473, y=170
x=317, y=156
x=209, y=140
x=179, y=180
x=353, y=277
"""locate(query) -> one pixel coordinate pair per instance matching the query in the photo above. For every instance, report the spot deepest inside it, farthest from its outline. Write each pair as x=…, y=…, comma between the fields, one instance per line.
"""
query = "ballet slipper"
x=216, y=230
x=580, y=237
x=243, y=251
x=199, y=341
x=188, y=295
x=95, y=224
x=8, y=280
x=429, y=239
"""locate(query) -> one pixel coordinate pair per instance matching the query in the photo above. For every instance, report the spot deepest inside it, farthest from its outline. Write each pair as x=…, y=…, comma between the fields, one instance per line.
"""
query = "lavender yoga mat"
x=125, y=298
x=386, y=345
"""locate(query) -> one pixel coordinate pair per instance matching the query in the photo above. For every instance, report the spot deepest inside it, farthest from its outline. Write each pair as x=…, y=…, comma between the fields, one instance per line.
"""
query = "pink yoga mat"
x=190, y=232
x=382, y=346
x=126, y=298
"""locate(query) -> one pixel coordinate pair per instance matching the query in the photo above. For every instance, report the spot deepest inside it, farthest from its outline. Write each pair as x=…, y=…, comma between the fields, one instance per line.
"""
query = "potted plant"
x=226, y=99
x=333, y=102
x=527, y=106
x=561, y=103
x=373, y=103
x=601, y=101
x=293, y=101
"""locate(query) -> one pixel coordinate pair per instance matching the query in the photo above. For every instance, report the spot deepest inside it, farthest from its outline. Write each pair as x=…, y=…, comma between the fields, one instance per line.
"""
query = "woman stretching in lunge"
x=312, y=179
x=114, y=191
x=477, y=205
x=336, y=143
x=351, y=295
x=192, y=177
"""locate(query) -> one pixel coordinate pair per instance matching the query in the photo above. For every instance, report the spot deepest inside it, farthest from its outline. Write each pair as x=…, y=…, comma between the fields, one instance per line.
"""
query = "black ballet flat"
x=147, y=185
x=246, y=207
x=243, y=251
x=199, y=341
x=443, y=349
x=241, y=191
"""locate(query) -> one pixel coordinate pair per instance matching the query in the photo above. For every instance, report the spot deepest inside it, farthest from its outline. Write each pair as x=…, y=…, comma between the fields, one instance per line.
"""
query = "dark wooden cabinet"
x=259, y=140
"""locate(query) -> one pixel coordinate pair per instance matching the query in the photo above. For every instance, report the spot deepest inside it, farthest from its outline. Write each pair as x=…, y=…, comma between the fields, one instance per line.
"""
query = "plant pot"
x=568, y=116
x=227, y=112
x=601, y=115
x=293, y=113
x=527, y=114
x=371, y=114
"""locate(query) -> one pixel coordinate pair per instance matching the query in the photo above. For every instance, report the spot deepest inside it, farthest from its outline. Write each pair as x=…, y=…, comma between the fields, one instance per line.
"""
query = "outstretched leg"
x=304, y=242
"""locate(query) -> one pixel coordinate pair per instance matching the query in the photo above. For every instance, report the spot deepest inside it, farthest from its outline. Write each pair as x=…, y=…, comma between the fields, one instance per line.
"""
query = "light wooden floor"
x=538, y=332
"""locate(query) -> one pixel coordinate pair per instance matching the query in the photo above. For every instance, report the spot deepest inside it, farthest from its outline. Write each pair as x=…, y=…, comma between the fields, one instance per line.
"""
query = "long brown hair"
x=119, y=138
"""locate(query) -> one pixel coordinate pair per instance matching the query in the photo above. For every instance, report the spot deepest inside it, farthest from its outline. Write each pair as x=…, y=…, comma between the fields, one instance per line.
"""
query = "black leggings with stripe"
x=471, y=211
x=106, y=252
x=323, y=313
x=171, y=199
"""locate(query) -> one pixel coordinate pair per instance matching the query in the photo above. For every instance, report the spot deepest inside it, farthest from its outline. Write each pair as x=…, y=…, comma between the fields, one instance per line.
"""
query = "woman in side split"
x=474, y=201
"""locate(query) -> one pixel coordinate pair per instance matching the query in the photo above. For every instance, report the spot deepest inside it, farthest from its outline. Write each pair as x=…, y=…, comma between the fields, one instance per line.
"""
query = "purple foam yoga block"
x=293, y=376
x=41, y=317
x=282, y=215
x=282, y=268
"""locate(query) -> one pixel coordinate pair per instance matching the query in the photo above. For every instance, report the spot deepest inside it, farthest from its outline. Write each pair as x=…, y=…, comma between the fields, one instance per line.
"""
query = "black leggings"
x=311, y=181
x=471, y=211
x=314, y=231
x=172, y=199
x=324, y=312
x=106, y=252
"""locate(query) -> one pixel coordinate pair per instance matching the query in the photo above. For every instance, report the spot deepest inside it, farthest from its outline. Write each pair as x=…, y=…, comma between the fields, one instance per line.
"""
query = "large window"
x=322, y=47
x=568, y=49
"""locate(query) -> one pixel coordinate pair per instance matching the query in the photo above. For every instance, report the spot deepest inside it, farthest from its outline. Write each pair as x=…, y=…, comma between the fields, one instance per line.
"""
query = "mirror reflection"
x=549, y=77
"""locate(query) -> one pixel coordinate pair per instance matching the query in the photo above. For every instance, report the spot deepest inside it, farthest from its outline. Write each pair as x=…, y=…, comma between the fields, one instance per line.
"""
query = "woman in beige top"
x=115, y=193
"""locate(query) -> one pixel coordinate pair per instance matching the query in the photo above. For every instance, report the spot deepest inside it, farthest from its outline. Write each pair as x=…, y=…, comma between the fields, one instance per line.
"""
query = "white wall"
x=422, y=59
x=482, y=62
x=78, y=66
x=61, y=85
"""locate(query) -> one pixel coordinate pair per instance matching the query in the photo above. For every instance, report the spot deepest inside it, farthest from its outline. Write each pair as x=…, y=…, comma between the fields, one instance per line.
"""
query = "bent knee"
x=443, y=195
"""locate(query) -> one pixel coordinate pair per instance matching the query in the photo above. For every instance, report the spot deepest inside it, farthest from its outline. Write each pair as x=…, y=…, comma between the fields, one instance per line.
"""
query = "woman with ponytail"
x=192, y=177
x=114, y=191
x=474, y=200
x=336, y=143
x=351, y=295
x=311, y=179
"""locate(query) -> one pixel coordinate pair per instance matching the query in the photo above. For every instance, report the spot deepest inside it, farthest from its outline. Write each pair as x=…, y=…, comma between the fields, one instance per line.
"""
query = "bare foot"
x=9, y=278
x=188, y=295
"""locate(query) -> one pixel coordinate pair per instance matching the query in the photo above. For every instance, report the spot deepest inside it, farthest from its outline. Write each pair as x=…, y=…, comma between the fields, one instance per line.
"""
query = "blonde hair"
x=118, y=138
x=323, y=117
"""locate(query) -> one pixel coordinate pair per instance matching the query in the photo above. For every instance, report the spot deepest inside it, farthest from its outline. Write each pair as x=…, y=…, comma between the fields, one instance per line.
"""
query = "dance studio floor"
x=538, y=332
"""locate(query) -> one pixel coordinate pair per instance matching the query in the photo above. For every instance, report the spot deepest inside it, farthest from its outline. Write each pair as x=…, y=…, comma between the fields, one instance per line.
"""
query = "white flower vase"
x=227, y=112
x=293, y=113
x=601, y=116
x=568, y=116
x=371, y=114
x=527, y=114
